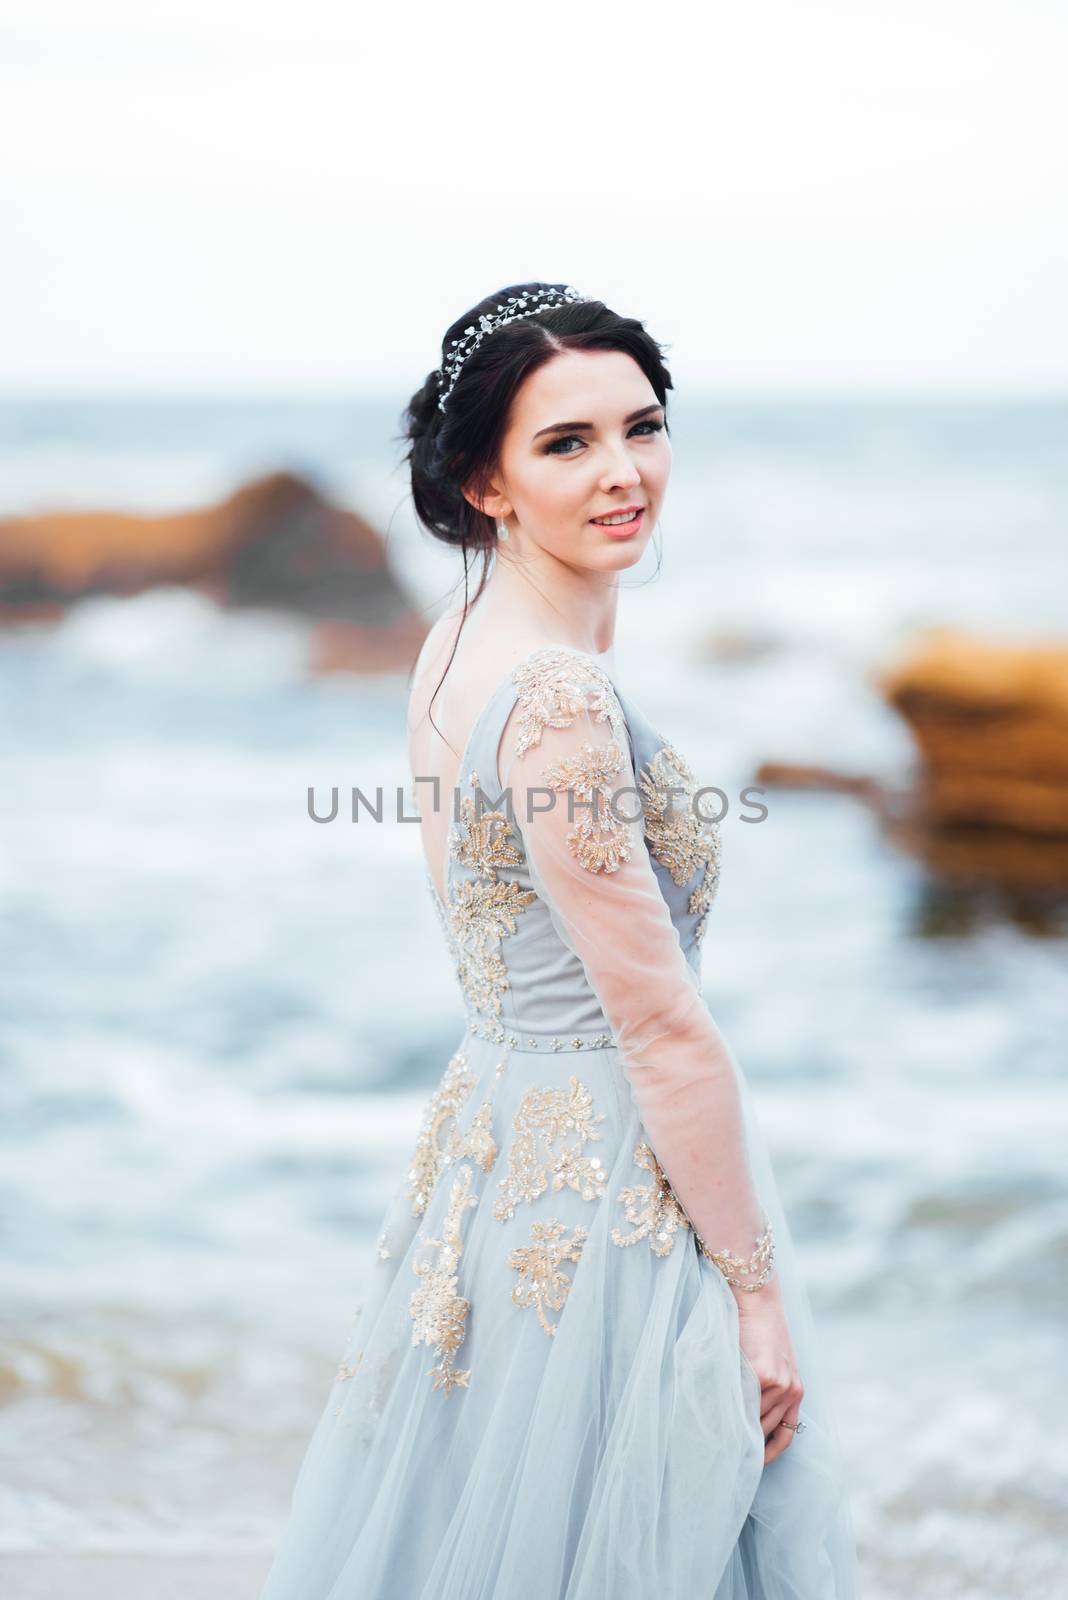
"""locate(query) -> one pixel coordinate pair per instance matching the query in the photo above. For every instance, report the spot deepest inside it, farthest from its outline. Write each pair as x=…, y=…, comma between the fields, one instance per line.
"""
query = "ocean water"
x=219, y=1020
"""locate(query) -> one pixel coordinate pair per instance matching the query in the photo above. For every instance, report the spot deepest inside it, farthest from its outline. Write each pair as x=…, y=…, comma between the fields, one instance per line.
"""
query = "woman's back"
x=515, y=953
x=449, y=693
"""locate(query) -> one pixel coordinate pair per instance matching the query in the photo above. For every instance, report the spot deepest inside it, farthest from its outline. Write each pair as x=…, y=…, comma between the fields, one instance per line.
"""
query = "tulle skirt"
x=542, y=1395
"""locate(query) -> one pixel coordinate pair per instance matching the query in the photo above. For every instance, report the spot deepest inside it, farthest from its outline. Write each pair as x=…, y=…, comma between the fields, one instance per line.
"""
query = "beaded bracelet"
x=762, y=1260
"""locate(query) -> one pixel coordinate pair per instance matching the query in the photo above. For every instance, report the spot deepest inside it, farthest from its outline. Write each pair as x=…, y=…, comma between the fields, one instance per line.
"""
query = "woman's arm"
x=567, y=732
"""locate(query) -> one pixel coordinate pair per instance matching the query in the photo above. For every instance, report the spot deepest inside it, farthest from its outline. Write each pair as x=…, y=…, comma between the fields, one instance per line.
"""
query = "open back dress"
x=543, y=1395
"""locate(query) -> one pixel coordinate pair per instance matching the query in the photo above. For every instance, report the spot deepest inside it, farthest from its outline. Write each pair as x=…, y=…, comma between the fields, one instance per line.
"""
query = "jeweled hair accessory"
x=515, y=307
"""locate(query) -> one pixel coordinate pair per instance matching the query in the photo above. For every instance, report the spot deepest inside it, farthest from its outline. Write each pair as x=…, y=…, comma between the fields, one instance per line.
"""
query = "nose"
x=621, y=471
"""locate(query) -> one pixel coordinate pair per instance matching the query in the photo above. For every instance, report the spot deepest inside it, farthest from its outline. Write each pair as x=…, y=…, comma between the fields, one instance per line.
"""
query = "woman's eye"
x=555, y=450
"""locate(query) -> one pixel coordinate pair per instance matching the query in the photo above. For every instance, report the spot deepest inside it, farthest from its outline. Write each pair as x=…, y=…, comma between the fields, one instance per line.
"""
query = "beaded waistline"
x=523, y=1038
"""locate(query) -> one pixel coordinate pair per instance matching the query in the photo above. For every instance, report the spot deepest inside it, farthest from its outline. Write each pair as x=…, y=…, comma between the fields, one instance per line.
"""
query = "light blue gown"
x=542, y=1395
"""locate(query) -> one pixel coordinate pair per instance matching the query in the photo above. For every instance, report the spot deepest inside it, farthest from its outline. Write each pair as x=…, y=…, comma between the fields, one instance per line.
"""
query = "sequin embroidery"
x=541, y=1281
x=482, y=913
x=439, y=1143
x=599, y=840
x=557, y=685
x=485, y=842
x=680, y=840
x=483, y=910
x=543, y=1118
x=438, y=1312
x=651, y=1207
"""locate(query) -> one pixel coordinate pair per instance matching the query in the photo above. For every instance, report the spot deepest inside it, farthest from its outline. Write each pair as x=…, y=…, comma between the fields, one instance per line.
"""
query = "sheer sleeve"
x=565, y=756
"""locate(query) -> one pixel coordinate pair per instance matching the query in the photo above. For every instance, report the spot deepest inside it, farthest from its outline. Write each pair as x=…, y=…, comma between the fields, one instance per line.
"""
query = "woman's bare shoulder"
x=437, y=644
x=479, y=663
x=430, y=664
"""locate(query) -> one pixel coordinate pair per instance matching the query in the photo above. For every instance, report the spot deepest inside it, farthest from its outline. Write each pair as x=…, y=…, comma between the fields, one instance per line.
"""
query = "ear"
x=493, y=503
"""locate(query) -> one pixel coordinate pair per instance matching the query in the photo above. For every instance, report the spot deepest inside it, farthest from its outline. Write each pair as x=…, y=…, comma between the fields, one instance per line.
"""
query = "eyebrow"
x=587, y=427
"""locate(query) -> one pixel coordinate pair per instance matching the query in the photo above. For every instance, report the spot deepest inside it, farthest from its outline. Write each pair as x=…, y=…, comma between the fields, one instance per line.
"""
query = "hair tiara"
x=511, y=310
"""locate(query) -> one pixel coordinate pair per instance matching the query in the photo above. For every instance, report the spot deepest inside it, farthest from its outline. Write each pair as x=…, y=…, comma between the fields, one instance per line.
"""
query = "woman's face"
x=585, y=439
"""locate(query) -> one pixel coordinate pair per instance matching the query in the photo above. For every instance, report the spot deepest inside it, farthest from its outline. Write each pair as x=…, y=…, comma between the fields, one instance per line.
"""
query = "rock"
x=276, y=543
x=990, y=720
x=792, y=775
x=989, y=803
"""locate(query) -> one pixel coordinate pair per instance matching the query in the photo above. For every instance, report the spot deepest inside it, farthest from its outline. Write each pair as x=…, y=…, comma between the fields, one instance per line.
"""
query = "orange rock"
x=275, y=543
x=795, y=775
x=990, y=720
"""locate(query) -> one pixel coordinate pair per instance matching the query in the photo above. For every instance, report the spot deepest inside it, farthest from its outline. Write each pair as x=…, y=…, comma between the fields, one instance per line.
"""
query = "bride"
x=584, y=1364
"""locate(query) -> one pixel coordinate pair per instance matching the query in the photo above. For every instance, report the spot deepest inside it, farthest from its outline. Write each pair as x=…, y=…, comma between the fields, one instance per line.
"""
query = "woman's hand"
x=765, y=1339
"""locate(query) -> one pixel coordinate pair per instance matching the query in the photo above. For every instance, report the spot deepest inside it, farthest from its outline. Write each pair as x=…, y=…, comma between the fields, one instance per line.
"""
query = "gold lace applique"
x=545, y=1116
x=651, y=1207
x=478, y=1142
x=438, y=1144
x=556, y=686
x=483, y=910
x=482, y=913
x=680, y=840
x=541, y=1282
x=439, y=1314
x=599, y=840
x=487, y=841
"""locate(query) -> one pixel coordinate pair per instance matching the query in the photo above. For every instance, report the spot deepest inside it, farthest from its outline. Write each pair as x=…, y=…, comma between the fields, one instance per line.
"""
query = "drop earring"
x=502, y=528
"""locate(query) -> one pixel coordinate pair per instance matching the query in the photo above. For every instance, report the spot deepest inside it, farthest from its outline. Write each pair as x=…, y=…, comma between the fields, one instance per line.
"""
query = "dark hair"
x=461, y=445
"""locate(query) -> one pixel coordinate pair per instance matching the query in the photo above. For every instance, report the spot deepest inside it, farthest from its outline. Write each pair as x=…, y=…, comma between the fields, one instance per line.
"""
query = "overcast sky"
x=794, y=194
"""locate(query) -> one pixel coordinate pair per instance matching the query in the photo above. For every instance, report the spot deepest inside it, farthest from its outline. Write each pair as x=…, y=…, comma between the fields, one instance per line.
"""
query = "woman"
x=577, y=1370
